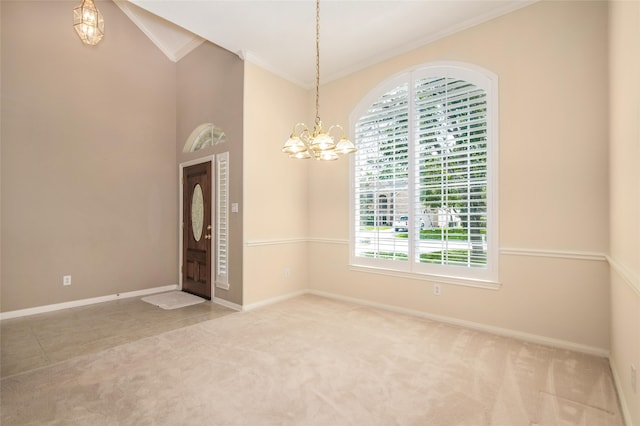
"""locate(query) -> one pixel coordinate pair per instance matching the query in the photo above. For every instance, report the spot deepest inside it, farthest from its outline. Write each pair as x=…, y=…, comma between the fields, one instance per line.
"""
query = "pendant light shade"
x=88, y=22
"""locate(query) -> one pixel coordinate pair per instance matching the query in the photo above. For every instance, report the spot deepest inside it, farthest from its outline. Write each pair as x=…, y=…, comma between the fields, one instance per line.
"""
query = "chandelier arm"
x=339, y=127
x=310, y=150
x=305, y=136
x=300, y=132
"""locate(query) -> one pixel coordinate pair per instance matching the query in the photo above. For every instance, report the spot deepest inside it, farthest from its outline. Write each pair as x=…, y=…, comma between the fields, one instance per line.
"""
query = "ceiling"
x=280, y=35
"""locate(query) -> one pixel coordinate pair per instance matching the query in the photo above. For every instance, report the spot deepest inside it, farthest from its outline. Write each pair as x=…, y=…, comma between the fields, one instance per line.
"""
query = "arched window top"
x=471, y=73
x=205, y=135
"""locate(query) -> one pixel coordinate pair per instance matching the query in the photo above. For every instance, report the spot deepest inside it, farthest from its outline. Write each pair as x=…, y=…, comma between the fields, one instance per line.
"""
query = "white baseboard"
x=227, y=304
x=84, y=302
x=624, y=407
x=563, y=344
x=533, y=338
x=273, y=300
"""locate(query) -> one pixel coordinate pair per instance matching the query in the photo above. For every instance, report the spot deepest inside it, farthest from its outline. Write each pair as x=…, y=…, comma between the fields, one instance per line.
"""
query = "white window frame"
x=471, y=276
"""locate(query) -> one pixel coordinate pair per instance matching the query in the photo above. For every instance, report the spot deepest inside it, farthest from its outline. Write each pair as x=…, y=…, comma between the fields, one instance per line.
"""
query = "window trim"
x=485, y=277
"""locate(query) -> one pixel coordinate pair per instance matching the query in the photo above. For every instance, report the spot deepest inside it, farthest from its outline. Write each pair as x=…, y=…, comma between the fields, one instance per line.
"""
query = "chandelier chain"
x=317, y=61
x=317, y=143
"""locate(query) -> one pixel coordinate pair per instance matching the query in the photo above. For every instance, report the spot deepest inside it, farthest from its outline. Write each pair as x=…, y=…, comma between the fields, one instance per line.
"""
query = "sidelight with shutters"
x=222, y=237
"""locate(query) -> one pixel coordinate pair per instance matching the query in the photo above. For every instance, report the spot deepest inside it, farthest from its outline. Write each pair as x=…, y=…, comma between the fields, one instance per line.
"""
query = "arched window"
x=430, y=133
x=203, y=136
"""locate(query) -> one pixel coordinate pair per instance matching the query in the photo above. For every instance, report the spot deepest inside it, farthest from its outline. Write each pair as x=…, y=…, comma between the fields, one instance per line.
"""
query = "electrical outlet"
x=634, y=379
x=436, y=289
x=66, y=280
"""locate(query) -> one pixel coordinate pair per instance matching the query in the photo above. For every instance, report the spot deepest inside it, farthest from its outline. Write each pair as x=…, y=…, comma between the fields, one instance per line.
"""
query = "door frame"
x=181, y=166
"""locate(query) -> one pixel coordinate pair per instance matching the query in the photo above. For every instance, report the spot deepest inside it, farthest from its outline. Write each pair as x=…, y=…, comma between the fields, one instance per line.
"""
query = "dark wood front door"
x=196, y=234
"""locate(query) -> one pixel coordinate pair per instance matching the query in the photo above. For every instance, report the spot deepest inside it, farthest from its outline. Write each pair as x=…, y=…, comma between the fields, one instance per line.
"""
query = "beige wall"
x=210, y=90
x=624, y=21
x=275, y=192
x=88, y=158
x=551, y=60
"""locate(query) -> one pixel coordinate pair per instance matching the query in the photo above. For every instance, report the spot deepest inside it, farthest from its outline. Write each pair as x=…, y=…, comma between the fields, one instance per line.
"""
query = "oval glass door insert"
x=197, y=212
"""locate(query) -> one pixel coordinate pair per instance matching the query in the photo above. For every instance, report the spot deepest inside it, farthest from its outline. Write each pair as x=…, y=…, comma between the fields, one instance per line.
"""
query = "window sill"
x=443, y=279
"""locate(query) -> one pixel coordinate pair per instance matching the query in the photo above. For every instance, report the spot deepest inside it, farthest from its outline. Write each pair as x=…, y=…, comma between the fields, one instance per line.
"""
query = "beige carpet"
x=314, y=361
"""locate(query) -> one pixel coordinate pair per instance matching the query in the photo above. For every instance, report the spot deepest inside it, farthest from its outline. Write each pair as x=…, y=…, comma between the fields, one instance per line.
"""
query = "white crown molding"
x=187, y=48
x=251, y=58
x=160, y=32
x=421, y=42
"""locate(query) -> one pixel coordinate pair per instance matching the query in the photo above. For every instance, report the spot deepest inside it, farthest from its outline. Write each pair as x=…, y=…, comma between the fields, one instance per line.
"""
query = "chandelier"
x=88, y=22
x=319, y=144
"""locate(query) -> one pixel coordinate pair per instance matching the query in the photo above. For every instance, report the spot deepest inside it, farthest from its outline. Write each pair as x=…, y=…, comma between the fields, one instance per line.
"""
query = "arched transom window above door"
x=203, y=136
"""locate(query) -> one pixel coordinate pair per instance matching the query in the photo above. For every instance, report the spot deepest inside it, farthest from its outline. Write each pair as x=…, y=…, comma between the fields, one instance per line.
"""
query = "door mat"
x=173, y=300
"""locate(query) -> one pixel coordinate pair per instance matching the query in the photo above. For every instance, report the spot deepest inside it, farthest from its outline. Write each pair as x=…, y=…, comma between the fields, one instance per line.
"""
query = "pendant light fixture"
x=88, y=22
x=318, y=144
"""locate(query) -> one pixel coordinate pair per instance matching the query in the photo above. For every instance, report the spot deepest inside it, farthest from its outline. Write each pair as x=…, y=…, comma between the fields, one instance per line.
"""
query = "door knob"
x=207, y=237
x=208, y=227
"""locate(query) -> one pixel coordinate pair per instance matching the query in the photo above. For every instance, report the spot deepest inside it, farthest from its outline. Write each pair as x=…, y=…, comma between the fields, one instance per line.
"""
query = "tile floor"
x=36, y=341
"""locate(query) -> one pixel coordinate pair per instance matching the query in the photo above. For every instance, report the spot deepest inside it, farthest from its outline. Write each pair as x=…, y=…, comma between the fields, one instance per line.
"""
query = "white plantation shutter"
x=425, y=148
x=451, y=170
x=222, y=206
x=381, y=173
